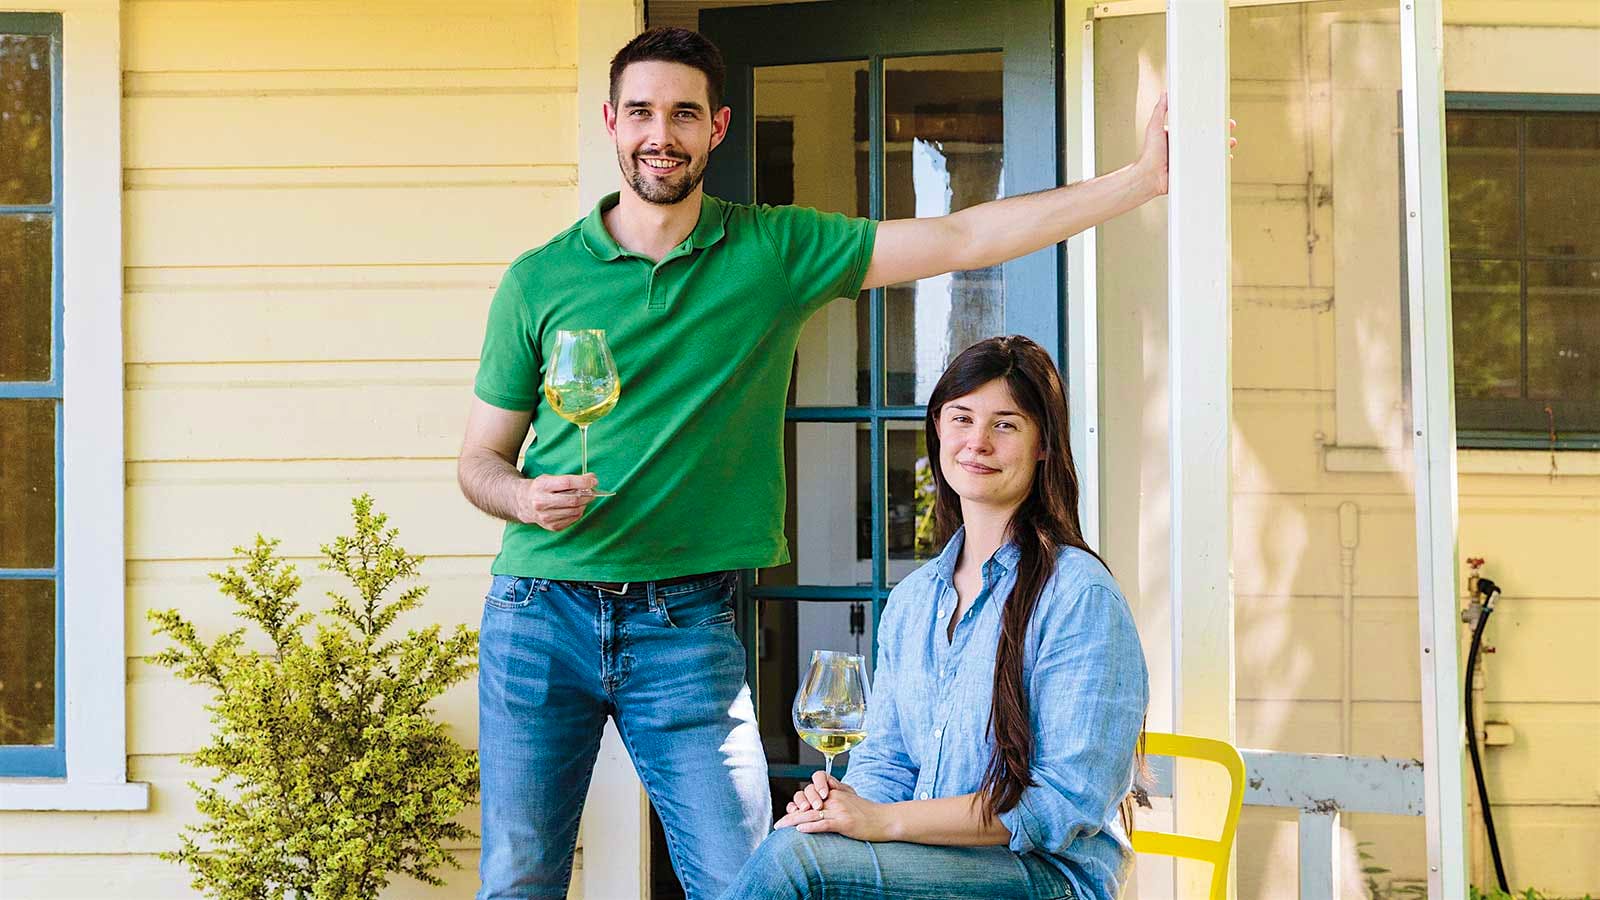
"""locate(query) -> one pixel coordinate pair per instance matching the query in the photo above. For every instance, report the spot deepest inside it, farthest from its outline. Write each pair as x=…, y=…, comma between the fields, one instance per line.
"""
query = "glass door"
x=888, y=110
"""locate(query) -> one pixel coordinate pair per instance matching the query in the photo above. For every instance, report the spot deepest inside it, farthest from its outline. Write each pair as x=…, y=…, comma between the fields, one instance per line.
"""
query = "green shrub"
x=330, y=775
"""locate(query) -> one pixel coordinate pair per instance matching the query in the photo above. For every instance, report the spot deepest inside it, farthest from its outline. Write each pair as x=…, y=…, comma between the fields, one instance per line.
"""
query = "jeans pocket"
x=511, y=592
x=705, y=603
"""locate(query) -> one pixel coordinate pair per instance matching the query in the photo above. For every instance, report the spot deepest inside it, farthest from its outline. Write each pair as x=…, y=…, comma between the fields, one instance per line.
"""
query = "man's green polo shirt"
x=704, y=342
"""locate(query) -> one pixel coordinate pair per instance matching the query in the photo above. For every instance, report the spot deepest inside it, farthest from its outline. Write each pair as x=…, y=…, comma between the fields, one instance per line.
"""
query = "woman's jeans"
x=556, y=658
x=795, y=865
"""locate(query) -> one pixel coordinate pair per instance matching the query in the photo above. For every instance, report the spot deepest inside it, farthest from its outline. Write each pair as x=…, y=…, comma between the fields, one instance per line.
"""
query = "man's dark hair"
x=677, y=45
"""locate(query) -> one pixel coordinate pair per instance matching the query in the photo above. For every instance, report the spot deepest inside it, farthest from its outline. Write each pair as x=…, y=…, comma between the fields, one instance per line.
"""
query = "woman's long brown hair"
x=1046, y=522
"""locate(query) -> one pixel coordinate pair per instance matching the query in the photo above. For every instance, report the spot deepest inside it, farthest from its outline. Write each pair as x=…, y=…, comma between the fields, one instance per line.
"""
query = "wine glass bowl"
x=581, y=383
x=830, y=709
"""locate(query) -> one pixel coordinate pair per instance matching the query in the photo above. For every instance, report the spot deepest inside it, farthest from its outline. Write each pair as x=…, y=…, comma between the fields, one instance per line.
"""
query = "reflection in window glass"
x=944, y=130
x=26, y=126
x=1564, y=330
x=27, y=296
x=1525, y=247
x=27, y=662
x=1563, y=160
x=30, y=399
x=1483, y=184
x=826, y=501
x=1487, y=321
x=807, y=152
x=909, y=524
x=27, y=484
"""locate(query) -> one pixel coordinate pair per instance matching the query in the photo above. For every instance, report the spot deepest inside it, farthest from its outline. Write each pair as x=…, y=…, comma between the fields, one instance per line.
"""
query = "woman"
x=1010, y=686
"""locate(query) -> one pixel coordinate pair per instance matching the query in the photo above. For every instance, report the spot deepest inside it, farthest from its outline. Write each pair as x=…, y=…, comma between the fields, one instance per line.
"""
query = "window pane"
x=27, y=297
x=829, y=506
x=944, y=132
x=910, y=492
x=28, y=662
x=27, y=484
x=1482, y=153
x=25, y=124
x=1487, y=319
x=1563, y=182
x=1564, y=331
x=811, y=148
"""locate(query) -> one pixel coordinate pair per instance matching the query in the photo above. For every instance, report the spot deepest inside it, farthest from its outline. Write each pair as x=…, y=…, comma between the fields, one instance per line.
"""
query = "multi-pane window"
x=859, y=507
x=1525, y=267
x=31, y=689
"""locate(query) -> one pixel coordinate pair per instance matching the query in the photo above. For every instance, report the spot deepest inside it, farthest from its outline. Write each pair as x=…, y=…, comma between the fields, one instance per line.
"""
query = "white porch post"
x=1083, y=317
x=1199, y=334
x=1434, y=439
x=616, y=814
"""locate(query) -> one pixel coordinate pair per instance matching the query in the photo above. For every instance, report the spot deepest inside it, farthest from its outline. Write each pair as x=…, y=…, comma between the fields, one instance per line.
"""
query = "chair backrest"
x=1216, y=851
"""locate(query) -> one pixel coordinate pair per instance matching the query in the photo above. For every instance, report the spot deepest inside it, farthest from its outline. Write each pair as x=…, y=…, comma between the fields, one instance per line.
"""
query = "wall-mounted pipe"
x=1349, y=539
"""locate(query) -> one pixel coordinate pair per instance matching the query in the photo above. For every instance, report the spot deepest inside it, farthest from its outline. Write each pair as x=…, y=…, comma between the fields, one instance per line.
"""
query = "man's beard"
x=663, y=192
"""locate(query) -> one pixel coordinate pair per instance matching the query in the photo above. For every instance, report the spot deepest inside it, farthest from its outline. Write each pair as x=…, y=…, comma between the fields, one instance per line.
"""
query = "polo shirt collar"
x=707, y=231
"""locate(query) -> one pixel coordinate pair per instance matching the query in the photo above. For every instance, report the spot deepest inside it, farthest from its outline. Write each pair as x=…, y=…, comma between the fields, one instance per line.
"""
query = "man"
x=620, y=605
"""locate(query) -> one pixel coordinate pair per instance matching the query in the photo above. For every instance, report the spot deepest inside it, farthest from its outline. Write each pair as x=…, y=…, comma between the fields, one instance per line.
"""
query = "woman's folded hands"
x=828, y=804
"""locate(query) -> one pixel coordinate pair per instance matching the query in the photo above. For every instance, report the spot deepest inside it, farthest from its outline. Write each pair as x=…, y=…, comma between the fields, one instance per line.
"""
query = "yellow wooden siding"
x=319, y=200
x=307, y=313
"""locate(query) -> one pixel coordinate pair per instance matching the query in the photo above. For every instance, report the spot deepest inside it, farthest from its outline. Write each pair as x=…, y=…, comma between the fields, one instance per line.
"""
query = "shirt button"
x=924, y=795
x=941, y=612
x=937, y=732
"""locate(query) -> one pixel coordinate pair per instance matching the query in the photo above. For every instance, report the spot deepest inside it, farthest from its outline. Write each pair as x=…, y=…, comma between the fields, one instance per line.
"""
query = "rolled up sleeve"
x=1087, y=695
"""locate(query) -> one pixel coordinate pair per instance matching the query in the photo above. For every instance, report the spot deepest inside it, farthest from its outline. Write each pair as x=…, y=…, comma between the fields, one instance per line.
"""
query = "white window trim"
x=95, y=667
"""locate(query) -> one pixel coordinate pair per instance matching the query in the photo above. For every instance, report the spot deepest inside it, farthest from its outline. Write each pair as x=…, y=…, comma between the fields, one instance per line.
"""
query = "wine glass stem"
x=583, y=431
x=827, y=764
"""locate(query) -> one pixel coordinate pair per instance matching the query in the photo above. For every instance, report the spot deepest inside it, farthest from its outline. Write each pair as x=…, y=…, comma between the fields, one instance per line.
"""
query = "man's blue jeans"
x=792, y=865
x=556, y=659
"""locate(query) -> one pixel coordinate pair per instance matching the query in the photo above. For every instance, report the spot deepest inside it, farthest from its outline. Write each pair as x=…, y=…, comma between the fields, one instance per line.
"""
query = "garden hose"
x=1489, y=590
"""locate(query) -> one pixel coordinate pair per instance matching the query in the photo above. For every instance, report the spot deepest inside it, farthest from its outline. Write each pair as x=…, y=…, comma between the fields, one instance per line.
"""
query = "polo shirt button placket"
x=650, y=291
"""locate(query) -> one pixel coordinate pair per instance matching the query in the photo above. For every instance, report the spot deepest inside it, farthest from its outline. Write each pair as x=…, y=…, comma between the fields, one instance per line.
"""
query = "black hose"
x=1488, y=589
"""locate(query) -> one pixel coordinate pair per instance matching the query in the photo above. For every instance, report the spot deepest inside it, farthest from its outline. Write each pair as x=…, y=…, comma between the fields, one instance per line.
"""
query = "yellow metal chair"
x=1215, y=851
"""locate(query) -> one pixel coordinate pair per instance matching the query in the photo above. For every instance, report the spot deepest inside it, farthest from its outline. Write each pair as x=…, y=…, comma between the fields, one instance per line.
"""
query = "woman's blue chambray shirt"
x=928, y=717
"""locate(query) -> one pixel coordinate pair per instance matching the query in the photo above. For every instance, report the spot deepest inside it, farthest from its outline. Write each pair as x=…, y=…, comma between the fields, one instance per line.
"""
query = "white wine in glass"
x=581, y=384
x=830, y=709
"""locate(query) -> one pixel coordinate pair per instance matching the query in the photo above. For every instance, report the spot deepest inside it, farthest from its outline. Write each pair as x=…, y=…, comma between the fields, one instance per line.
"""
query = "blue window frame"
x=31, y=581
x=1525, y=269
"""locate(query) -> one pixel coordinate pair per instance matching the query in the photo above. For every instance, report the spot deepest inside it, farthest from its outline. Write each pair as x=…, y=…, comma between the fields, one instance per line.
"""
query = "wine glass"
x=830, y=710
x=581, y=383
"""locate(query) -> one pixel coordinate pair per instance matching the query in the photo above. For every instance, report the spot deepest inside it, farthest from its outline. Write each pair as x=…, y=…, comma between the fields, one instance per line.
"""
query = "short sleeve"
x=824, y=255
x=508, y=367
